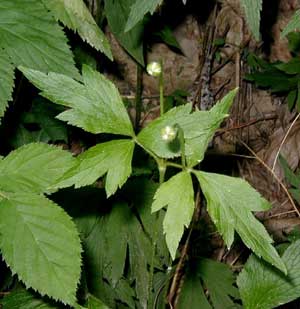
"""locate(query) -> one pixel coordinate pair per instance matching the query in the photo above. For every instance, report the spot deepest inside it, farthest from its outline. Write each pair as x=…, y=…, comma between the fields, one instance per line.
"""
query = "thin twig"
x=275, y=176
x=283, y=141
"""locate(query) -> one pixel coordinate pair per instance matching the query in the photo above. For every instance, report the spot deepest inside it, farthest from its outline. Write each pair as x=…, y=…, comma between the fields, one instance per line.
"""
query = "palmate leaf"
x=6, y=80
x=113, y=158
x=40, y=243
x=230, y=202
x=96, y=105
x=252, y=9
x=76, y=16
x=198, y=127
x=139, y=9
x=117, y=13
x=263, y=287
x=31, y=37
x=177, y=193
x=34, y=168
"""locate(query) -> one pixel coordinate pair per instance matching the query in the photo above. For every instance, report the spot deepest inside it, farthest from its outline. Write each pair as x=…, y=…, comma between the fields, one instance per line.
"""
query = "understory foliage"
x=104, y=229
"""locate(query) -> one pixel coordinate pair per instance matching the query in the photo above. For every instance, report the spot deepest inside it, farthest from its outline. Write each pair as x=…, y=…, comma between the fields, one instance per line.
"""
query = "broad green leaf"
x=96, y=105
x=23, y=299
x=252, y=9
x=230, y=202
x=219, y=281
x=76, y=16
x=263, y=287
x=293, y=25
x=31, y=37
x=117, y=13
x=113, y=158
x=139, y=9
x=192, y=294
x=199, y=128
x=34, y=168
x=40, y=243
x=6, y=80
x=178, y=194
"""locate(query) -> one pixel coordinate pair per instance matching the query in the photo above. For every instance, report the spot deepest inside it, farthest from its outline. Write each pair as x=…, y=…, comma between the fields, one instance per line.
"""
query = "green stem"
x=161, y=90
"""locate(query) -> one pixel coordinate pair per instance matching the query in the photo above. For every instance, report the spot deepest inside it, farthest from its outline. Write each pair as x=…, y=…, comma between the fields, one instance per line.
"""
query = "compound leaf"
x=117, y=13
x=76, y=16
x=230, y=202
x=252, y=9
x=31, y=37
x=263, y=287
x=139, y=9
x=34, y=168
x=96, y=105
x=113, y=158
x=178, y=194
x=6, y=80
x=198, y=127
x=40, y=243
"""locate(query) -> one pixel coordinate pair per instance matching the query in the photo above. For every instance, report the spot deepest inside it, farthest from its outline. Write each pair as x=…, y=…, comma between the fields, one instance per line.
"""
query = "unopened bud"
x=168, y=133
x=154, y=68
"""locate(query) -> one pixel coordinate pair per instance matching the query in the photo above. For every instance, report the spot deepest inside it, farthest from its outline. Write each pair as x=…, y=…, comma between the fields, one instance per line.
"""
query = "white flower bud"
x=168, y=133
x=154, y=68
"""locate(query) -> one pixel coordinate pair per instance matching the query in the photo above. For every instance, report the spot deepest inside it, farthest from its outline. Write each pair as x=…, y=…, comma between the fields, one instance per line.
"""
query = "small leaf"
x=76, y=16
x=117, y=13
x=178, y=194
x=219, y=280
x=6, y=80
x=230, y=202
x=113, y=158
x=31, y=37
x=95, y=303
x=139, y=9
x=96, y=106
x=263, y=287
x=199, y=128
x=40, y=243
x=252, y=9
x=34, y=168
x=293, y=25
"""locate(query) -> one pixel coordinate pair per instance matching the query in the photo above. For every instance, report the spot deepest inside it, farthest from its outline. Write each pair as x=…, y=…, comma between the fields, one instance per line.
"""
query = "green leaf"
x=198, y=127
x=178, y=194
x=31, y=37
x=293, y=25
x=40, y=243
x=168, y=37
x=76, y=16
x=252, y=9
x=263, y=287
x=219, y=281
x=192, y=294
x=230, y=202
x=22, y=299
x=113, y=158
x=96, y=105
x=34, y=168
x=139, y=9
x=6, y=80
x=117, y=13
x=95, y=303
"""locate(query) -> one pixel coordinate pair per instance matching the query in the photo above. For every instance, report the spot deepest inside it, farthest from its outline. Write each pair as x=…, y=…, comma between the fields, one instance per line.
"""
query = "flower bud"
x=168, y=133
x=154, y=68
